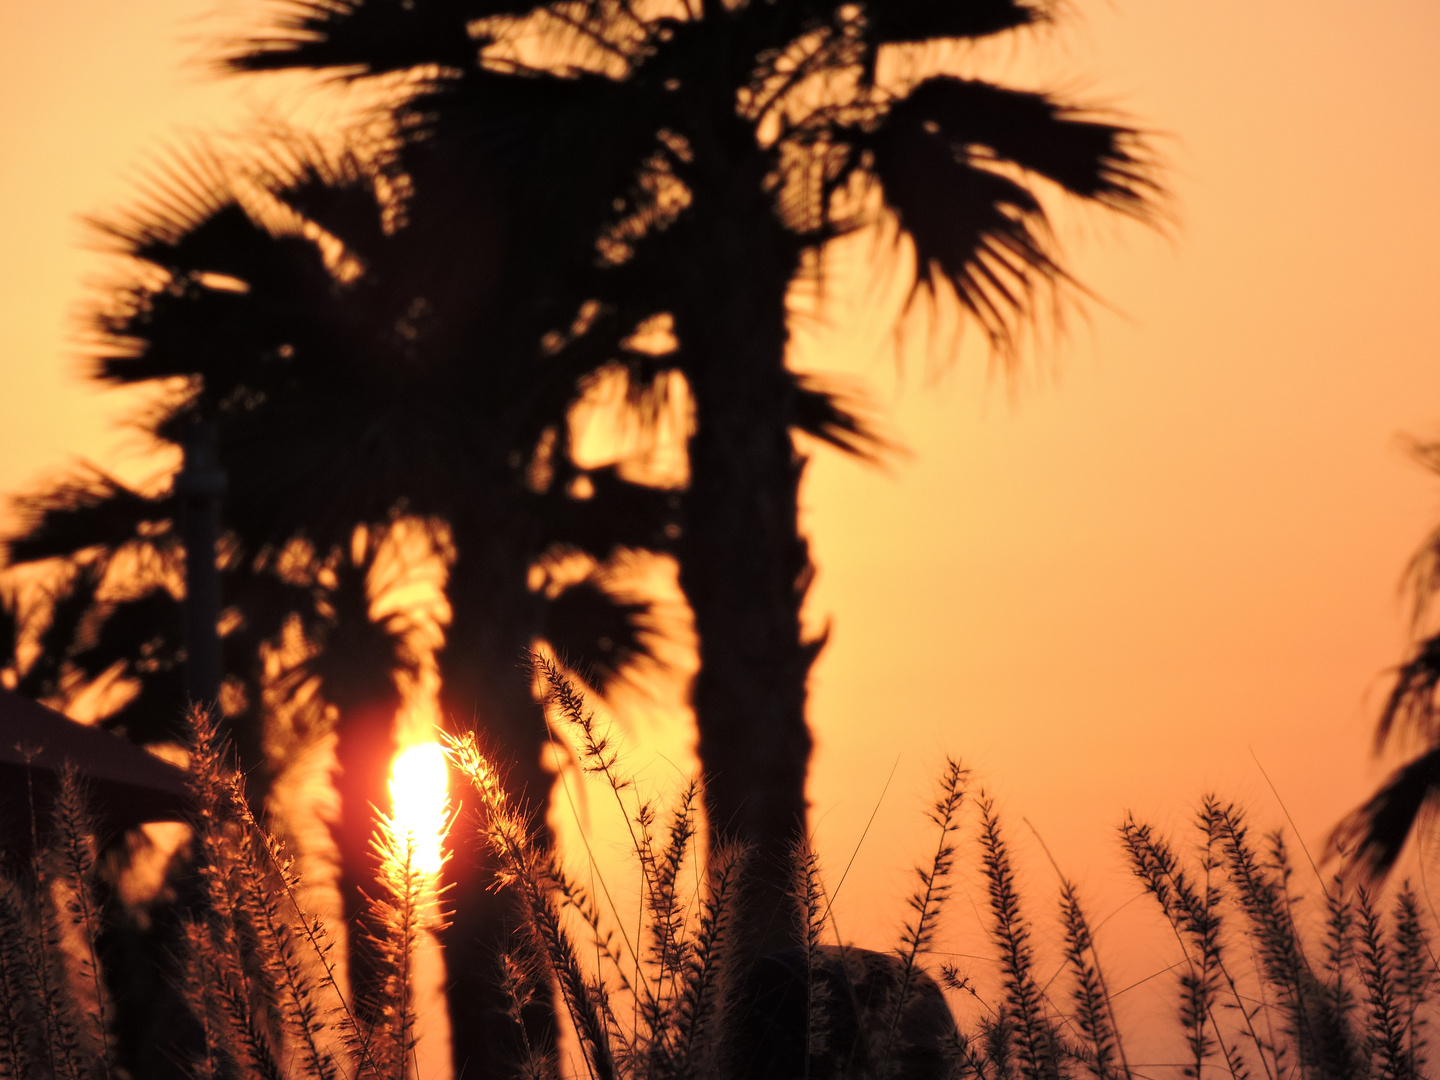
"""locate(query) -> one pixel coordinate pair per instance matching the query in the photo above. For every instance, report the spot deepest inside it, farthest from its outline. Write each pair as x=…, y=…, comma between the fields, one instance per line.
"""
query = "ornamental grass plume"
x=269, y=999
x=250, y=966
x=56, y=1012
x=1267, y=984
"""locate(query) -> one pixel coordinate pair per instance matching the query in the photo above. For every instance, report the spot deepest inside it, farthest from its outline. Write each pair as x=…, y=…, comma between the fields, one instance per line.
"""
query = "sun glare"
x=417, y=786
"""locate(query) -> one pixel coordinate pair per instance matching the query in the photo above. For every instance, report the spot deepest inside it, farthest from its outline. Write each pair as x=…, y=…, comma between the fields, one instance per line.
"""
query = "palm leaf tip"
x=916, y=20
x=1372, y=836
x=1411, y=702
x=360, y=38
x=178, y=194
x=840, y=416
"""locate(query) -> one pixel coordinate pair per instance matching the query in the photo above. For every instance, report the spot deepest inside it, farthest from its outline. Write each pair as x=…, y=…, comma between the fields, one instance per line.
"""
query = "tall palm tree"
x=649, y=167
x=351, y=370
x=701, y=150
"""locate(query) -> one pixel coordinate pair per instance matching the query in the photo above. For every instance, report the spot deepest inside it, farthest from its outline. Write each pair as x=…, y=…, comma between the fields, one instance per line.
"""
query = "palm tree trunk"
x=364, y=750
x=487, y=688
x=744, y=567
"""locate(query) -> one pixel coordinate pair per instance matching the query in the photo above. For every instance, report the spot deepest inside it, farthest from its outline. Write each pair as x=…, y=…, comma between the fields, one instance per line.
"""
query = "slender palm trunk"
x=488, y=689
x=364, y=750
x=744, y=567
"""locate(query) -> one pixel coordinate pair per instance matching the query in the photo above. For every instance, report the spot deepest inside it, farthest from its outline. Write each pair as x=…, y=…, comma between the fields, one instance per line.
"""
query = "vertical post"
x=199, y=485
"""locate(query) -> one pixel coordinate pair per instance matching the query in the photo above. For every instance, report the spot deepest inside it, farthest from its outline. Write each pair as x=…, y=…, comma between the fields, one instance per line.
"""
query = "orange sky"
x=1172, y=542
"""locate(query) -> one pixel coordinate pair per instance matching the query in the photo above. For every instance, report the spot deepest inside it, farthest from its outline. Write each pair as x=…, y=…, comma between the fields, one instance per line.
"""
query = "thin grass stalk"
x=811, y=909
x=57, y=1024
x=250, y=1041
x=1414, y=972
x=1334, y=1048
x=624, y=1047
x=917, y=934
x=522, y=867
x=646, y=1007
x=288, y=984
x=587, y=1001
x=1385, y=1027
x=598, y=756
x=517, y=983
x=699, y=1011
x=1339, y=952
x=961, y=1059
x=311, y=928
x=74, y=851
x=399, y=915
x=1094, y=1013
x=1196, y=922
x=963, y=1054
x=61, y=1016
x=196, y=992
x=997, y=1035
x=1263, y=894
x=1039, y=1052
x=666, y=911
x=17, y=1003
x=575, y=897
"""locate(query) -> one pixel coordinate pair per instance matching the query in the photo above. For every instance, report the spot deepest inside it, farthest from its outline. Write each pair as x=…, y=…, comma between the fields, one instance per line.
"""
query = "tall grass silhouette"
x=1266, y=983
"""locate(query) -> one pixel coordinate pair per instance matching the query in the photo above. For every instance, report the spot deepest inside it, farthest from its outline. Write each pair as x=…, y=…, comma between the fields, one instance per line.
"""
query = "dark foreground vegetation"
x=1257, y=985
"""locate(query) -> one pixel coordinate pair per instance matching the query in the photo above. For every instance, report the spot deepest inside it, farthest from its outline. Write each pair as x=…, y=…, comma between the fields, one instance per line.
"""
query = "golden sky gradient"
x=1169, y=543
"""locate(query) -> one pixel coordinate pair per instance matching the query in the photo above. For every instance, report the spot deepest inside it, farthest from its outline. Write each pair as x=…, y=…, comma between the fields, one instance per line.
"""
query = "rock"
x=853, y=1003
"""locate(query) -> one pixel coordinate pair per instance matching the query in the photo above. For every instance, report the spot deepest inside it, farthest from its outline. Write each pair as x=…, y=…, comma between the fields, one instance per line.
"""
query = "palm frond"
x=358, y=38
x=9, y=628
x=1086, y=154
x=944, y=155
x=71, y=601
x=982, y=232
x=1374, y=834
x=179, y=195
x=599, y=635
x=1411, y=705
x=616, y=514
x=841, y=416
x=916, y=20
x=87, y=509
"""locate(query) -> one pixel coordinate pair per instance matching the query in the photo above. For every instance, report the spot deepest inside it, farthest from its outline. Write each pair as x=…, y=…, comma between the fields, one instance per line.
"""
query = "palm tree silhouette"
x=701, y=153
x=644, y=169
x=350, y=370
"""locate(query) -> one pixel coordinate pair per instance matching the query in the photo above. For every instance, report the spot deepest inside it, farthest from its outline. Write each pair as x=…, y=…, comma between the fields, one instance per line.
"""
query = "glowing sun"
x=417, y=786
